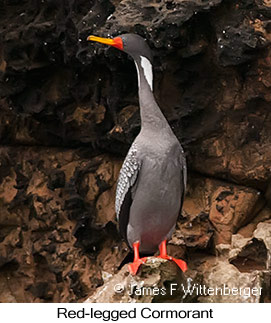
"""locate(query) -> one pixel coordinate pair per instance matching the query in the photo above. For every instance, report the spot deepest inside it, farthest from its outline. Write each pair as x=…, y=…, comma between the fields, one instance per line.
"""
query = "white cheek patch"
x=147, y=69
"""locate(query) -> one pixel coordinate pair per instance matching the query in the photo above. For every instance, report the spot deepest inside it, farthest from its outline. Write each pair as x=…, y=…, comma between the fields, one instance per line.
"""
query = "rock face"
x=157, y=281
x=54, y=233
x=69, y=112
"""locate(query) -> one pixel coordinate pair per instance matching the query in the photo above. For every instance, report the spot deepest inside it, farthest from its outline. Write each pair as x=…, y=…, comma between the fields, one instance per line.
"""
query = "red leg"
x=133, y=267
x=163, y=254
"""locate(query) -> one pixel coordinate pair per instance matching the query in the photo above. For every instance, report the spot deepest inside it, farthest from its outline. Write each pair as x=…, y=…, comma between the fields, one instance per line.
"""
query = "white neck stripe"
x=147, y=69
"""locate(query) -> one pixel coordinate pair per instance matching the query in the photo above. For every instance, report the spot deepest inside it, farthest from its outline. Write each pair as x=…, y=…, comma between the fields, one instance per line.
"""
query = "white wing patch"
x=147, y=69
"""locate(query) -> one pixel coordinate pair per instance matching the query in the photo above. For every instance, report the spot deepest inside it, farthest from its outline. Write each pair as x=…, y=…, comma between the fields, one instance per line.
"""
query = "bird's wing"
x=126, y=181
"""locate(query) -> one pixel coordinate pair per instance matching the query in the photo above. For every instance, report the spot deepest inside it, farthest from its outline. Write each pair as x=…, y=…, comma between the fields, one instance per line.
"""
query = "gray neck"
x=150, y=113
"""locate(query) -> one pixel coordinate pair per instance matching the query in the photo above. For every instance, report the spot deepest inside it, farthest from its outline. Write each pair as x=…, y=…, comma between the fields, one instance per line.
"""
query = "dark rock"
x=69, y=112
x=56, y=180
x=237, y=46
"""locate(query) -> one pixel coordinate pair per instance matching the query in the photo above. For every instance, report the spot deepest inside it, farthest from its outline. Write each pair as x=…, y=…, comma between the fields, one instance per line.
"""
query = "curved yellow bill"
x=107, y=41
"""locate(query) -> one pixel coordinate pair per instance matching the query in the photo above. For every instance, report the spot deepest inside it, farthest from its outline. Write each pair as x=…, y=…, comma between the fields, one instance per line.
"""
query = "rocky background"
x=69, y=111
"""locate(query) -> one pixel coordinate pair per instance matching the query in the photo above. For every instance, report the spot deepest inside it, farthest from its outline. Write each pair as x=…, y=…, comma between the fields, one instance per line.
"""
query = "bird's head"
x=131, y=44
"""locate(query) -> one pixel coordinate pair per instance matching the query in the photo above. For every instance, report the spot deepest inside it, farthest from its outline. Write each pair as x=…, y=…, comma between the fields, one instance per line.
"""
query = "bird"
x=152, y=180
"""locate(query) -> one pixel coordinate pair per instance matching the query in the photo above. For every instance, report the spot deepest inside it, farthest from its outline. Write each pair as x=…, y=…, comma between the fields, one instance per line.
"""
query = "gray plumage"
x=152, y=180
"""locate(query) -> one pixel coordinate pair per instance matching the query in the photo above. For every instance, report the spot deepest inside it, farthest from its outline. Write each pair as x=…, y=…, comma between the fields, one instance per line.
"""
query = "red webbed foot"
x=163, y=254
x=134, y=266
